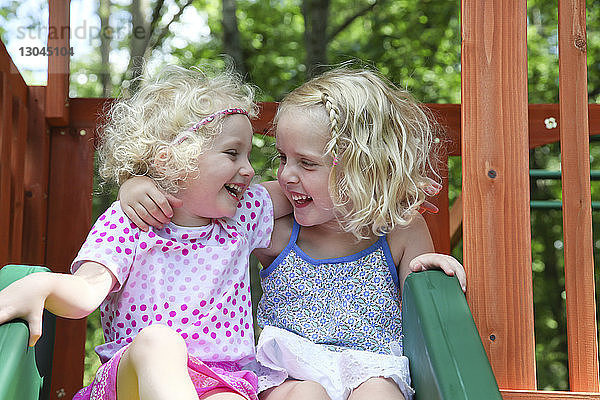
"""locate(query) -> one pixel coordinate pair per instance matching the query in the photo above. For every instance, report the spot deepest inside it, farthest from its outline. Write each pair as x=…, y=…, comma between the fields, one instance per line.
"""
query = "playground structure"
x=46, y=164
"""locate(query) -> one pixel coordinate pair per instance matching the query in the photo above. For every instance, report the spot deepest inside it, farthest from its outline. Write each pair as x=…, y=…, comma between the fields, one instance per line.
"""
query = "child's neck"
x=183, y=217
x=330, y=241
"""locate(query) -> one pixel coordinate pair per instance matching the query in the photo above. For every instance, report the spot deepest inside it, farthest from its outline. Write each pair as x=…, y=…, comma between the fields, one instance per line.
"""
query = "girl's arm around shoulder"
x=412, y=250
x=69, y=296
x=145, y=204
x=282, y=231
x=281, y=205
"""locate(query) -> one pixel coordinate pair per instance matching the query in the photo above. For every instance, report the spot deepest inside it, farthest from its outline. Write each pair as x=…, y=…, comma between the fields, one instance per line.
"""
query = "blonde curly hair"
x=154, y=123
x=381, y=141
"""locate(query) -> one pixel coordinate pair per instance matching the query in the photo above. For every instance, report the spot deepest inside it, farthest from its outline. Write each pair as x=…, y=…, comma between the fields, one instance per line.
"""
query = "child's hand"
x=446, y=263
x=145, y=204
x=24, y=299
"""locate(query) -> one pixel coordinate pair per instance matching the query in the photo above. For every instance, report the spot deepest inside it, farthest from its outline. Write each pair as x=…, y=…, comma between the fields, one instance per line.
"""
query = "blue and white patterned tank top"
x=348, y=302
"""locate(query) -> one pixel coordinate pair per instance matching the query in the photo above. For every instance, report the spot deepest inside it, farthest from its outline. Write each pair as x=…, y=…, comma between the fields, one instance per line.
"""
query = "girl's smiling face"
x=224, y=173
x=303, y=172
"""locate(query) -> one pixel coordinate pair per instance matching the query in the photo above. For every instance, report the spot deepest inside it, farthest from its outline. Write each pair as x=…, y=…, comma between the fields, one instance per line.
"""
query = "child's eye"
x=308, y=164
x=282, y=158
x=233, y=153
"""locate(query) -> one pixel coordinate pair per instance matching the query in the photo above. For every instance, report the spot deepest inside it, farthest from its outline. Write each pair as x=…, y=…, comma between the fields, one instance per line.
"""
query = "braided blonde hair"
x=382, y=144
x=155, y=120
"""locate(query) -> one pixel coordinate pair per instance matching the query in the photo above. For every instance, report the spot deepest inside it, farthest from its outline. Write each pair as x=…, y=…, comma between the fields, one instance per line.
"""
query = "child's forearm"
x=75, y=296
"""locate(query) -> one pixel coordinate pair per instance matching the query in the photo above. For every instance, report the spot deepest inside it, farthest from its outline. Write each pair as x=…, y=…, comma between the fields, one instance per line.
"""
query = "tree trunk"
x=316, y=15
x=231, y=37
x=140, y=35
x=105, y=39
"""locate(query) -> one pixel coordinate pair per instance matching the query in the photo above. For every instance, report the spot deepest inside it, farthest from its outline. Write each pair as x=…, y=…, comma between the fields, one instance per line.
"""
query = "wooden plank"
x=495, y=159
x=17, y=84
x=582, y=334
x=37, y=159
x=57, y=104
x=263, y=124
x=438, y=223
x=17, y=166
x=544, y=123
x=448, y=115
x=5, y=175
x=455, y=221
x=69, y=220
x=541, y=395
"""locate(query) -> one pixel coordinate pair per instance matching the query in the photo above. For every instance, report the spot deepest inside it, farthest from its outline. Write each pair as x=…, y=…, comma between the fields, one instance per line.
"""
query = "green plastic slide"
x=24, y=371
x=447, y=358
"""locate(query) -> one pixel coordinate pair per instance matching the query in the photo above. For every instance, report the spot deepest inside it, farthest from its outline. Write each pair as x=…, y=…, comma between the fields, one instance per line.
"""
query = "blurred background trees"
x=278, y=44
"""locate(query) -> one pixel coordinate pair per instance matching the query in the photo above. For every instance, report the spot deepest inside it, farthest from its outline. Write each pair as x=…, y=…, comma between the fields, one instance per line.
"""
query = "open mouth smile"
x=235, y=190
x=300, y=200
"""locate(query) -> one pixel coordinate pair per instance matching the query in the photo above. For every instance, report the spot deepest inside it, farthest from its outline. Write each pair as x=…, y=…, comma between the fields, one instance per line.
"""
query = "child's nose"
x=247, y=169
x=287, y=174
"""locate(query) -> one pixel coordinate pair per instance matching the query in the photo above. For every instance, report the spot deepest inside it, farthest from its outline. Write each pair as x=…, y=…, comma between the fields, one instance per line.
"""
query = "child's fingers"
x=462, y=278
x=35, y=330
x=157, y=204
x=148, y=213
x=135, y=218
x=174, y=201
x=453, y=268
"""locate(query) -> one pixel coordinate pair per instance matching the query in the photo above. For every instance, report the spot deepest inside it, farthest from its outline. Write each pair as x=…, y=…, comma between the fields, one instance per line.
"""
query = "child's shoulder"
x=415, y=233
x=282, y=232
x=115, y=213
x=255, y=197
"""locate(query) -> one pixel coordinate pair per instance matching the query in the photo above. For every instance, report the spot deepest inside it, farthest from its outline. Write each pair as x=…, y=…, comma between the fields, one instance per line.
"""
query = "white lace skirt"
x=281, y=355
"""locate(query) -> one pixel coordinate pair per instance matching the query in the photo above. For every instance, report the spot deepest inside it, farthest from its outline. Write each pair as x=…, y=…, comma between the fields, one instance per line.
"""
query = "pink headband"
x=211, y=117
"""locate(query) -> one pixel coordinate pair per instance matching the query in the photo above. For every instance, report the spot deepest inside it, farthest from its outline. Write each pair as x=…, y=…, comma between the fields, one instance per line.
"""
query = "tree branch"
x=155, y=17
x=165, y=30
x=351, y=19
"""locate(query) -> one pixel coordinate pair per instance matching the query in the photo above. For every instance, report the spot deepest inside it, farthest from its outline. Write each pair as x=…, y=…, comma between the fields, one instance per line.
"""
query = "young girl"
x=175, y=302
x=355, y=157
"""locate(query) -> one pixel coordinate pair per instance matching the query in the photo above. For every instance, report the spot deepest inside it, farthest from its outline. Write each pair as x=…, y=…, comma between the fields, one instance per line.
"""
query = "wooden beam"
x=5, y=175
x=438, y=223
x=18, y=139
x=69, y=221
x=37, y=160
x=582, y=335
x=57, y=104
x=455, y=221
x=541, y=395
x=495, y=159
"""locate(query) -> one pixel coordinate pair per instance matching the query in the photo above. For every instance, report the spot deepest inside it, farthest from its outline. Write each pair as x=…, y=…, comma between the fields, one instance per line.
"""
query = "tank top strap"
x=295, y=232
x=290, y=245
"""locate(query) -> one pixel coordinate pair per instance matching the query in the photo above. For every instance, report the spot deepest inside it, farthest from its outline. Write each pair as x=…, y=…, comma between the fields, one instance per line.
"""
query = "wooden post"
x=57, y=104
x=495, y=160
x=37, y=160
x=18, y=138
x=582, y=335
x=5, y=178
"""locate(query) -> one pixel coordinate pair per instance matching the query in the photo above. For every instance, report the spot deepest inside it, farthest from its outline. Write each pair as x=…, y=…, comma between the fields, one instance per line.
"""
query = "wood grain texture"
x=541, y=395
x=18, y=138
x=582, y=342
x=5, y=178
x=57, y=104
x=495, y=159
x=37, y=160
x=69, y=221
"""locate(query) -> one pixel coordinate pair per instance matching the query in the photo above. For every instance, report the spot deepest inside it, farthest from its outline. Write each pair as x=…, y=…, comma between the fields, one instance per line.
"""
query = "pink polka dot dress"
x=192, y=279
